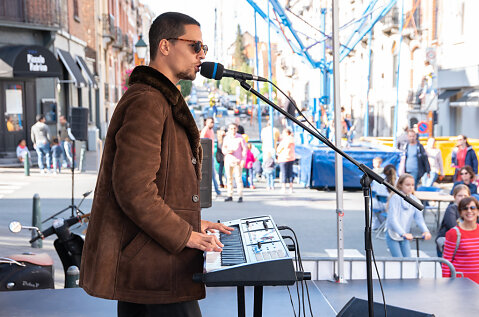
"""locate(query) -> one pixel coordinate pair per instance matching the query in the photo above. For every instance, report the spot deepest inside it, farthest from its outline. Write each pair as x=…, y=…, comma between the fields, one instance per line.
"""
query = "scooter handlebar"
x=51, y=230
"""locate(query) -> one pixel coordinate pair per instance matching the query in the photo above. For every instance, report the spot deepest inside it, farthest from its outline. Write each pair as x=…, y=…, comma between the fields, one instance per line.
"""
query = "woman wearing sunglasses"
x=468, y=176
x=463, y=154
x=462, y=242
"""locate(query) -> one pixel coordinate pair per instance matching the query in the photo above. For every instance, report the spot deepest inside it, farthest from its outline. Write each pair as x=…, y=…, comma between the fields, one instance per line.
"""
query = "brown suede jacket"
x=146, y=200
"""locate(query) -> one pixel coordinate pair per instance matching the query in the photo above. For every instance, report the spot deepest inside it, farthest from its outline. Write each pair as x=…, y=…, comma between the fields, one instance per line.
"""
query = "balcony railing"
x=34, y=12
x=108, y=26
x=127, y=44
x=118, y=38
x=391, y=21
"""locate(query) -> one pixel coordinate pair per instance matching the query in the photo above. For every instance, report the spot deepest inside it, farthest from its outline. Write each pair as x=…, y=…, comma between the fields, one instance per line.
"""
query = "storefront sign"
x=37, y=63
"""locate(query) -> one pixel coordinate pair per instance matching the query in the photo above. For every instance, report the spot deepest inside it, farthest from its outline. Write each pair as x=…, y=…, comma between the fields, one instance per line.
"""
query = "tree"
x=240, y=63
x=185, y=87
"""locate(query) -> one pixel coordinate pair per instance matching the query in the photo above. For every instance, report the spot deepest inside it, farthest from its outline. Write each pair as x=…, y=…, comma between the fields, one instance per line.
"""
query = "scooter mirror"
x=86, y=194
x=15, y=226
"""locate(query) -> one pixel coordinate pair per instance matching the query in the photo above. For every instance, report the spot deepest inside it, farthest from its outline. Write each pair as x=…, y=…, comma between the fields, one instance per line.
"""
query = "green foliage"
x=185, y=87
x=264, y=90
x=240, y=64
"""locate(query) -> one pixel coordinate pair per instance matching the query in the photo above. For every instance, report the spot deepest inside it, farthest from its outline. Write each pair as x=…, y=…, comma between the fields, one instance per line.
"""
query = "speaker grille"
x=79, y=123
x=206, y=173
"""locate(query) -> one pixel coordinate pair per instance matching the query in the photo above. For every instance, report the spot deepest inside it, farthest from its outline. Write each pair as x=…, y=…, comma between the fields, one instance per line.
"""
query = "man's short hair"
x=411, y=131
x=40, y=117
x=168, y=25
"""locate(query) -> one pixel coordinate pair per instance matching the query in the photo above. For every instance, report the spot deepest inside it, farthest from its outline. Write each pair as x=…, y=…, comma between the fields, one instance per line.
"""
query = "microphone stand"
x=368, y=176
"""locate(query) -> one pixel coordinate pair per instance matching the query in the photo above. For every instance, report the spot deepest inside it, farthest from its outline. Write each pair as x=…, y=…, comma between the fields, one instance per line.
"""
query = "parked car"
x=221, y=112
x=244, y=109
x=228, y=101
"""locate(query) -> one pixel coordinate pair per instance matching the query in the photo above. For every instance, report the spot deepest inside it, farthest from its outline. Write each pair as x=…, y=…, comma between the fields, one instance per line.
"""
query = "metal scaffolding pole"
x=270, y=89
x=366, y=114
x=338, y=132
x=396, y=109
x=258, y=104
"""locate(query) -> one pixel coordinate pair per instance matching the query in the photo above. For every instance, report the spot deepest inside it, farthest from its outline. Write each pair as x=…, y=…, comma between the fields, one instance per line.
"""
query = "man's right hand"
x=204, y=242
x=408, y=236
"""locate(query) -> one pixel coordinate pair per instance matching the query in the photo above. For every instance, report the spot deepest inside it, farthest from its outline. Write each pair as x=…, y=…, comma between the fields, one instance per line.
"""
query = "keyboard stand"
x=258, y=301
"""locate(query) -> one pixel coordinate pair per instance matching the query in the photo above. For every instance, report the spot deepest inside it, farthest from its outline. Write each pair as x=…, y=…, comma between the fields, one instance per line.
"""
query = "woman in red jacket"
x=463, y=252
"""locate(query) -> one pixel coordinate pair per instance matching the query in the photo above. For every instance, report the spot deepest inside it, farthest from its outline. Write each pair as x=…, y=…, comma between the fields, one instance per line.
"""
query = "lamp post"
x=140, y=47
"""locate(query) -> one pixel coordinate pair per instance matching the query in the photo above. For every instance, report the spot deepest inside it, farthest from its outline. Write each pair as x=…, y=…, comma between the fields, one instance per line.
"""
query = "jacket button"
x=193, y=160
x=195, y=198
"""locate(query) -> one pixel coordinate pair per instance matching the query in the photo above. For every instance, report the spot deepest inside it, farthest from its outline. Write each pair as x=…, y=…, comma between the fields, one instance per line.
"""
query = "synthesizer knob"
x=259, y=244
x=265, y=224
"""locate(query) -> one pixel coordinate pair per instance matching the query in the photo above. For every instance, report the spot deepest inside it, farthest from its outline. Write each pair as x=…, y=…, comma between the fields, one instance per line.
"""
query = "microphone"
x=217, y=71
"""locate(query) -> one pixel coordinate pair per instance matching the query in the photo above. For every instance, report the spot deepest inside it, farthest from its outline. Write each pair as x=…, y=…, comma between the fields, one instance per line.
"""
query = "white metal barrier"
x=324, y=268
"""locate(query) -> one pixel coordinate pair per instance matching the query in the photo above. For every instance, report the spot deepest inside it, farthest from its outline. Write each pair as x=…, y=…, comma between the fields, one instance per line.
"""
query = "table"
x=437, y=197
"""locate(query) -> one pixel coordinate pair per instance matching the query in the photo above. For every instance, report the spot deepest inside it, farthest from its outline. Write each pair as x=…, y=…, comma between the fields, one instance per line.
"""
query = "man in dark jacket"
x=145, y=238
x=417, y=163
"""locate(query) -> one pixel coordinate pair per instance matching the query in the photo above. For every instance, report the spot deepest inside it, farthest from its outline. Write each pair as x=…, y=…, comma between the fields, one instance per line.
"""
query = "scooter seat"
x=42, y=259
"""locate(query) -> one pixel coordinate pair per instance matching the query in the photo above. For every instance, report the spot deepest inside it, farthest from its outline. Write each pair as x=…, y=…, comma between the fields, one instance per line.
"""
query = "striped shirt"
x=467, y=255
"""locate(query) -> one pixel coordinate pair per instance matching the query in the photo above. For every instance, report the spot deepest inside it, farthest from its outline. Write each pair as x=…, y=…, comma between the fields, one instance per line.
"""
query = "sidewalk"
x=310, y=213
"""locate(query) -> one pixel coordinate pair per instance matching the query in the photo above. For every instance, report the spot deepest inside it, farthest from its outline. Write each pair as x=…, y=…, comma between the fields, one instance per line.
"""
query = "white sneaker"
x=42, y=171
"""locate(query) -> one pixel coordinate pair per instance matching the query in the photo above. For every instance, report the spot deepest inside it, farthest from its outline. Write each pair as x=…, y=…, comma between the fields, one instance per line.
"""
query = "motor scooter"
x=28, y=271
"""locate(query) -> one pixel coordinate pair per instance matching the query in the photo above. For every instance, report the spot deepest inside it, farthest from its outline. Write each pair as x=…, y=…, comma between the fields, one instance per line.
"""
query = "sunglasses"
x=196, y=45
x=469, y=207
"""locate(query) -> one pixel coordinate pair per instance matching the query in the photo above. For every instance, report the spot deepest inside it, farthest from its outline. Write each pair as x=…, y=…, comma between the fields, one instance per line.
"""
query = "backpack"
x=458, y=240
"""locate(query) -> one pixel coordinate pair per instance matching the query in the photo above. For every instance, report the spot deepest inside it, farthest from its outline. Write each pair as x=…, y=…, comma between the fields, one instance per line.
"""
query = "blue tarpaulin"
x=319, y=172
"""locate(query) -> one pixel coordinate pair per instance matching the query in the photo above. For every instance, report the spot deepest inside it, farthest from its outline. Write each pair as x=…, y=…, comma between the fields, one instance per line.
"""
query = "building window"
x=76, y=14
x=395, y=70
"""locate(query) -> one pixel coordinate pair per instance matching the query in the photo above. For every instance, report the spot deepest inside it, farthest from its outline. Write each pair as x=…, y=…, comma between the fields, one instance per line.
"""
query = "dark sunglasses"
x=197, y=45
x=469, y=207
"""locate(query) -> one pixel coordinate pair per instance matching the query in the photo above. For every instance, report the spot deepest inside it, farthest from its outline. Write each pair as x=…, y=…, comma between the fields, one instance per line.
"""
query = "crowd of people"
x=457, y=239
x=240, y=163
x=52, y=153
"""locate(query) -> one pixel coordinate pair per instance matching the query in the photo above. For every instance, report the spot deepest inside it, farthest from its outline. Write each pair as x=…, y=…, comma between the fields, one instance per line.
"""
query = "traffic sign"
x=423, y=127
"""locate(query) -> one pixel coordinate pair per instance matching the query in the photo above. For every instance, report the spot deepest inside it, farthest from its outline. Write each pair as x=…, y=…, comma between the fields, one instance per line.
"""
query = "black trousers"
x=182, y=309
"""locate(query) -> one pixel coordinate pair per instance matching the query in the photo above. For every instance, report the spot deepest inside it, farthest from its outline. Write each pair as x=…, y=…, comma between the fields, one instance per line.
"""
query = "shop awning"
x=447, y=93
x=28, y=61
x=72, y=68
x=469, y=99
x=89, y=76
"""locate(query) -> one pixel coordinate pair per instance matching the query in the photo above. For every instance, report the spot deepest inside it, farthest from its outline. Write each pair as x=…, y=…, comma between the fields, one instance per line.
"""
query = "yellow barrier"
x=445, y=143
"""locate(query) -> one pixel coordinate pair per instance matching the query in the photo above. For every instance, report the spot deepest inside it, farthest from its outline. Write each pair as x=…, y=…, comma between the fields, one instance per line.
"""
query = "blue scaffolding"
x=361, y=26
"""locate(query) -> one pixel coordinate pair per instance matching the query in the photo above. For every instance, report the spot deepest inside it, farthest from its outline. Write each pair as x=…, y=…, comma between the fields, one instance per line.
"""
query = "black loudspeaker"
x=359, y=308
x=206, y=173
x=79, y=123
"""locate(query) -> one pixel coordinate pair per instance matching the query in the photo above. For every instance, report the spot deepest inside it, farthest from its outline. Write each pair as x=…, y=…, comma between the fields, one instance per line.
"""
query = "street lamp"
x=141, y=50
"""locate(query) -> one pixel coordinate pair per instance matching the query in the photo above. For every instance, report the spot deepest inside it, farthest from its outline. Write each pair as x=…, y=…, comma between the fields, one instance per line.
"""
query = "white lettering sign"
x=36, y=63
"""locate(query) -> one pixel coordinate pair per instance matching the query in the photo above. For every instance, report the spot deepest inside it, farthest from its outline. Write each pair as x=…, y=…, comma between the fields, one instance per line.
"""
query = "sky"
x=234, y=12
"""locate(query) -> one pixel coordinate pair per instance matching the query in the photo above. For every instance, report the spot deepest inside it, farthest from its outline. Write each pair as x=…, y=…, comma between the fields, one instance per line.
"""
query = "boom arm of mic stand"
x=365, y=169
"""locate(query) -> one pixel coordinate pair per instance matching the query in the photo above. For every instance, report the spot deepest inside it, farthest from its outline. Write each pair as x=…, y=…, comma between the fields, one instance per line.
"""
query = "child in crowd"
x=22, y=150
x=250, y=159
x=57, y=153
x=400, y=216
x=269, y=169
x=377, y=162
x=380, y=195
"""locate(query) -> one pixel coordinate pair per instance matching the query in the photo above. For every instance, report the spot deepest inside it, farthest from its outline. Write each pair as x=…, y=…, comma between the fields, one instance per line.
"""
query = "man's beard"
x=186, y=76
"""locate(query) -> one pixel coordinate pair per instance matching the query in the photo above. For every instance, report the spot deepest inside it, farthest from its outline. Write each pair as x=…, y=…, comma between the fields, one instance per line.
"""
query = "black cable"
x=301, y=268
x=287, y=286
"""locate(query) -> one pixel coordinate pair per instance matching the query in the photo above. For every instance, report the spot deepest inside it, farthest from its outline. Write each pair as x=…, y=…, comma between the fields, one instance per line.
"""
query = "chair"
x=432, y=209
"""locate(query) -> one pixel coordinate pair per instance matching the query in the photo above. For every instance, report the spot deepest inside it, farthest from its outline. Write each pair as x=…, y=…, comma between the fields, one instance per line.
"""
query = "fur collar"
x=181, y=113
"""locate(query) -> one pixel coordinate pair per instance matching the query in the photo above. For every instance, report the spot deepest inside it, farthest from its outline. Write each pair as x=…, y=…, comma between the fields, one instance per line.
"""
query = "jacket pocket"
x=135, y=245
x=145, y=266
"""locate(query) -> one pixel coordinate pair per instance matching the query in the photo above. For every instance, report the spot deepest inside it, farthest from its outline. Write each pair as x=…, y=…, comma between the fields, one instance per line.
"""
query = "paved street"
x=310, y=213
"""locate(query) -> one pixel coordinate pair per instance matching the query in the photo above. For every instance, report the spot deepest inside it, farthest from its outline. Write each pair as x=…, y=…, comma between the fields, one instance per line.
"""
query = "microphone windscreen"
x=212, y=70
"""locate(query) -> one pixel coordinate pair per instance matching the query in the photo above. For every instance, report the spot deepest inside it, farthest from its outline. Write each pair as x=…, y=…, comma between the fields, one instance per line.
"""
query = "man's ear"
x=164, y=47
